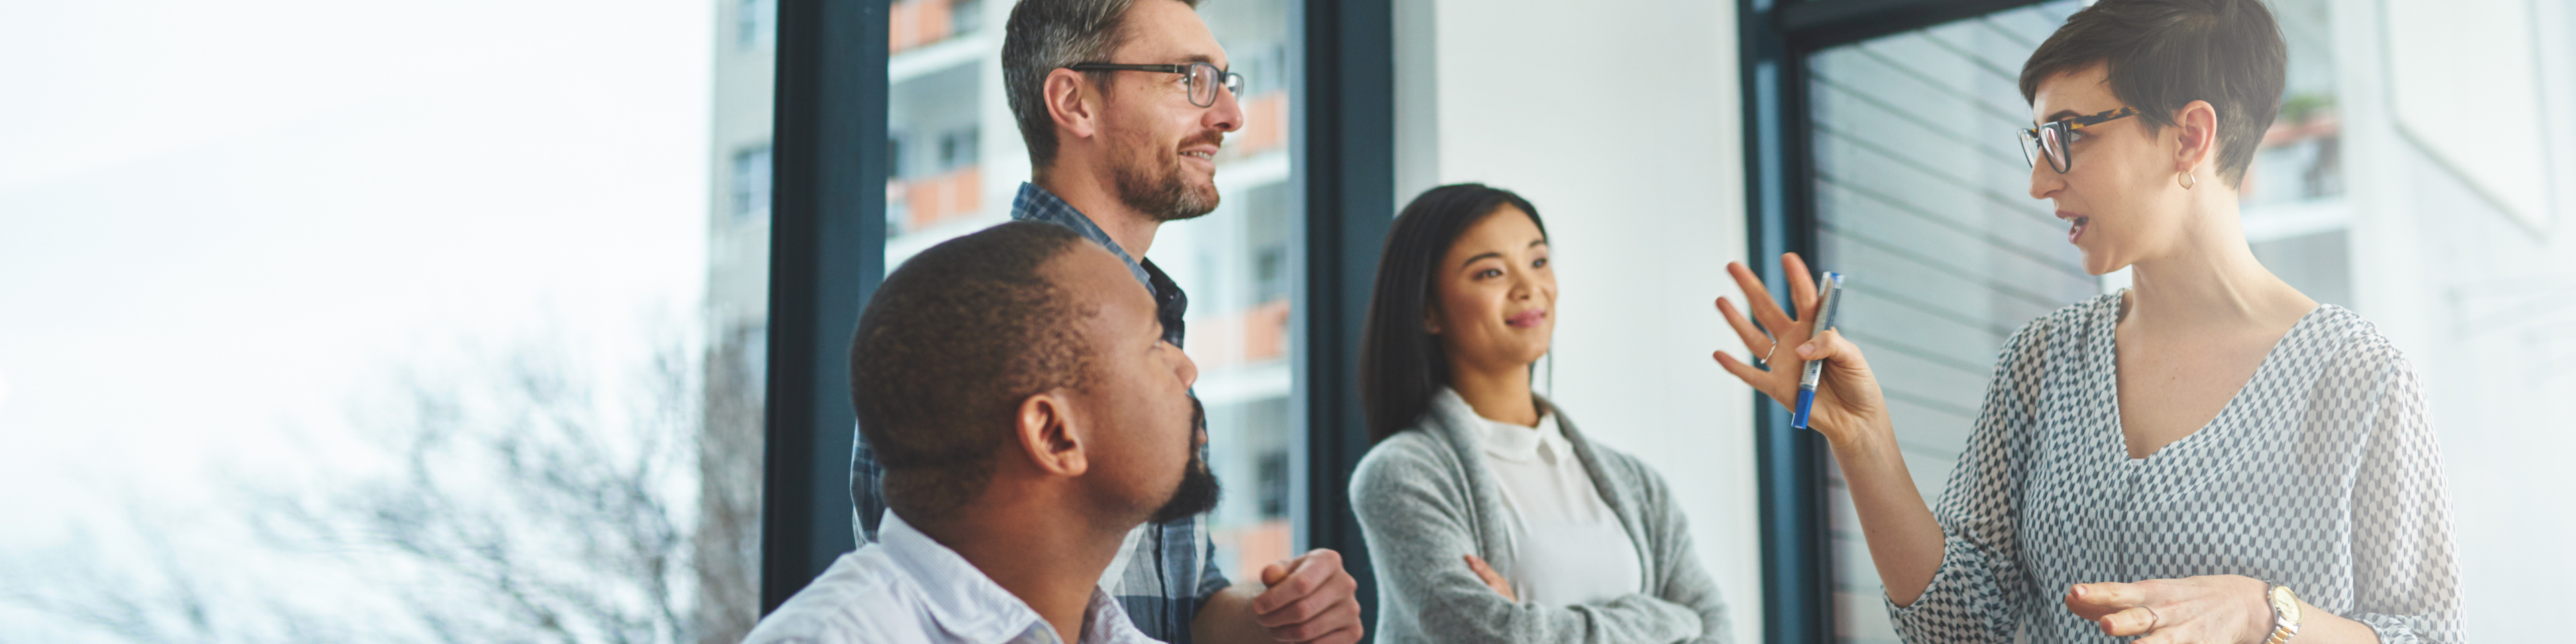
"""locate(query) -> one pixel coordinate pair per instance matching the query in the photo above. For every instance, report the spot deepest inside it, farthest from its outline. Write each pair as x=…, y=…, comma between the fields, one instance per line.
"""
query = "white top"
x=2322, y=474
x=1567, y=545
x=908, y=589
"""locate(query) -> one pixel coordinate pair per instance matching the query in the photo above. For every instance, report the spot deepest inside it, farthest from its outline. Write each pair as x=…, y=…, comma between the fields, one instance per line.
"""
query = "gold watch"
x=2285, y=613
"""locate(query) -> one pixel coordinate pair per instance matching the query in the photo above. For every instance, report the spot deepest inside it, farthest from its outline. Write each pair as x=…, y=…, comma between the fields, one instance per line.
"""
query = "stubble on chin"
x=1155, y=184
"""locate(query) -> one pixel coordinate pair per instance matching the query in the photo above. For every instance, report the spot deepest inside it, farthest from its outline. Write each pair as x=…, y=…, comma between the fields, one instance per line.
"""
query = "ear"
x=1430, y=319
x=1051, y=435
x=2196, y=126
x=1071, y=101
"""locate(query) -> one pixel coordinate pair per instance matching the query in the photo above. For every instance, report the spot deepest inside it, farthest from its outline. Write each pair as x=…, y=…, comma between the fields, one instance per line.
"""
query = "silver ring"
x=2153, y=619
x=1766, y=355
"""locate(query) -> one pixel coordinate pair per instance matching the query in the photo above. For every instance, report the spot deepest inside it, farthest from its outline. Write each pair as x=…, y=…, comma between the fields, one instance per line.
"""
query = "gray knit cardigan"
x=1425, y=498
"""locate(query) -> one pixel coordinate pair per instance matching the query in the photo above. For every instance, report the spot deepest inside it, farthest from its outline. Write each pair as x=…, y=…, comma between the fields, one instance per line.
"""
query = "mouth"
x=2076, y=223
x=1527, y=319
x=1205, y=148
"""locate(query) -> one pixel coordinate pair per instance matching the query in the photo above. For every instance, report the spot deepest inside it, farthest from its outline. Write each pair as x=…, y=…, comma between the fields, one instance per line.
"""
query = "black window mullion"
x=1797, y=581
x=827, y=253
x=1344, y=136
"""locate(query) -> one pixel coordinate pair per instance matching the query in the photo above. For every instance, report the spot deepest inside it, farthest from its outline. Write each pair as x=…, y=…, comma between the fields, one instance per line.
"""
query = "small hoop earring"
x=2186, y=180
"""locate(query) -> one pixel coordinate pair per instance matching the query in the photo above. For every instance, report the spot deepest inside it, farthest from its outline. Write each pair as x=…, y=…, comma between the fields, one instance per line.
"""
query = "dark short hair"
x=1401, y=365
x=1045, y=35
x=949, y=346
x=2164, y=54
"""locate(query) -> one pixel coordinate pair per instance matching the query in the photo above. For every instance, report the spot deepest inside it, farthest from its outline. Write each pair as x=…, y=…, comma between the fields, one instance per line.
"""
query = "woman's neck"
x=1501, y=395
x=2209, y=281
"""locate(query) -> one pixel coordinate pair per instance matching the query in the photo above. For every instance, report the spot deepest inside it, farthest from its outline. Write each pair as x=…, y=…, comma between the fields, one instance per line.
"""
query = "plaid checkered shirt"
x=1170, y=571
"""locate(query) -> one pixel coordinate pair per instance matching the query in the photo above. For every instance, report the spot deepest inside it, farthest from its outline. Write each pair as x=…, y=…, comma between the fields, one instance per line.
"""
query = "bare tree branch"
x=530, y=501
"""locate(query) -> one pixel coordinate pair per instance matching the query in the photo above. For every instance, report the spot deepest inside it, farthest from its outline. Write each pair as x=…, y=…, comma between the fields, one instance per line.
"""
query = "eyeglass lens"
x=1203, y=84
x=1206, y=78
x=2052, y=144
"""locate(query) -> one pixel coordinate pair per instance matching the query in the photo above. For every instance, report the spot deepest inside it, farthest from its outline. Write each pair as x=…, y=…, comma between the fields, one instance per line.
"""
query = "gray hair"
x=1046, y=35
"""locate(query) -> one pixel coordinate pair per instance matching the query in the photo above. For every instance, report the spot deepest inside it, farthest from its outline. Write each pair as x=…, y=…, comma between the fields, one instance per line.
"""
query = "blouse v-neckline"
x=2225, y=422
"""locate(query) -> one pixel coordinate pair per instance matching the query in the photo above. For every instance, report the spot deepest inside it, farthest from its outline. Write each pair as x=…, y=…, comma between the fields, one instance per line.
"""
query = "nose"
x=2044, y=179
x=1188, y=369
x=1226, y=115
x=1524, y=282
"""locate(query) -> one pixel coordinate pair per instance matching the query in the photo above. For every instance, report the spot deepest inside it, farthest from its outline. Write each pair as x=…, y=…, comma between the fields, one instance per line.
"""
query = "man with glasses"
x=1124, y=105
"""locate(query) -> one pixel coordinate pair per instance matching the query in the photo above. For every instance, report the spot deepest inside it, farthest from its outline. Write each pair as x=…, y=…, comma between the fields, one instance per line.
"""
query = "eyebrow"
x=2060, y=116
x=1471, y=260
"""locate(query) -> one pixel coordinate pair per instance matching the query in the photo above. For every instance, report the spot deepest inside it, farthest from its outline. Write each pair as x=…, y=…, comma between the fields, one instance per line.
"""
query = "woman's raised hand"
x=1847, y=399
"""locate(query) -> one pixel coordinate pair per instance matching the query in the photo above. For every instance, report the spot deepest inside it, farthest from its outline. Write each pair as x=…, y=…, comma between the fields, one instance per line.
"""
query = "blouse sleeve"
x=1977, y=595
x=2404, y=561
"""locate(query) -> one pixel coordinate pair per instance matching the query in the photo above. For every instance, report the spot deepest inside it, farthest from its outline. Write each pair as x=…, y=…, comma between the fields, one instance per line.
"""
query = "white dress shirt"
x=1567, y=545
x=908, y=589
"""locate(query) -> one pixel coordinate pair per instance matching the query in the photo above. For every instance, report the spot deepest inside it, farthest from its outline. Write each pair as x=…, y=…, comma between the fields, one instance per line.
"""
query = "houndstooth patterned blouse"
x=2321, y=474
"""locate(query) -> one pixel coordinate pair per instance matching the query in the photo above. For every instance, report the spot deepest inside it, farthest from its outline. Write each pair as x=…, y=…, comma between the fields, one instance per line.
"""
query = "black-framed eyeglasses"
x=1203, y=78
x=2052, y=138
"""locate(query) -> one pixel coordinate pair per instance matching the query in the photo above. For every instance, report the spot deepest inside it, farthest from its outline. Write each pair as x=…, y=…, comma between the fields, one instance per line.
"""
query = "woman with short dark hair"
x=2206, y=457
x=1488, y=517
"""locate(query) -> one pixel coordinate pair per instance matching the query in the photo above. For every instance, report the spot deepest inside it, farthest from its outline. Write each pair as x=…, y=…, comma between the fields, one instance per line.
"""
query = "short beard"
x=1162, y=192
x=1198, y=491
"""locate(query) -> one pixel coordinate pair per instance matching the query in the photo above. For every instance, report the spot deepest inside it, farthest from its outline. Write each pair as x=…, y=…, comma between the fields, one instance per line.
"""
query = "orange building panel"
x=1265, y=125
x=1265, y=331
x=913, y=23
x=935, y=199
x=1242, y=337
x=1257, y=546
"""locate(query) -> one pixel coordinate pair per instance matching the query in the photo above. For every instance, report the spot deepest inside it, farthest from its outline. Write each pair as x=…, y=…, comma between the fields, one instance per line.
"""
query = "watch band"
x=2283, y=626
x=2281, y=634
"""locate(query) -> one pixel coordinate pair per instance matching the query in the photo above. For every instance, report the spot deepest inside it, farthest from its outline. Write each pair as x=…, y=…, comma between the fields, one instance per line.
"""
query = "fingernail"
x=1806, y=350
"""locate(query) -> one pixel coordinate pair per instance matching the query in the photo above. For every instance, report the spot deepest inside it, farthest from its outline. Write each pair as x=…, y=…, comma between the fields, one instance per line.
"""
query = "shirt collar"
x=1507, y=441
x=966, y=603
x=1038, y=204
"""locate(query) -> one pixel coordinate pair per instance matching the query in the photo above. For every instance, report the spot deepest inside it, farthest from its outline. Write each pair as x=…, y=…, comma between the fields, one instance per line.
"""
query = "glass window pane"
x=1236, y=265
x=1922, y=200
x=2294, y=210
x=385, y=321
x=736, y=314
x=958, y=160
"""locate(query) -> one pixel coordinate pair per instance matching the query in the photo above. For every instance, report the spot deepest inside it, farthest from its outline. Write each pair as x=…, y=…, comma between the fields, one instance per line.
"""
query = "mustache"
x=1210, y=137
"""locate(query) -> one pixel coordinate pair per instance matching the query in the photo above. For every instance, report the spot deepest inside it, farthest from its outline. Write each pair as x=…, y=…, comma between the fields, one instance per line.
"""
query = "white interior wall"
x=2483, y=302
x=1621, y=127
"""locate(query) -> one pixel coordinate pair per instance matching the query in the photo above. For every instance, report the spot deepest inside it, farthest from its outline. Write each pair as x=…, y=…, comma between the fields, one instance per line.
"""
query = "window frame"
x=1774, y=38
x=827, y=254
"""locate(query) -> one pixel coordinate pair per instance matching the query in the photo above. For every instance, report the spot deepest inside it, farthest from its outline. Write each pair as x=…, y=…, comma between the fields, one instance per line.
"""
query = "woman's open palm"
x=1847, y=398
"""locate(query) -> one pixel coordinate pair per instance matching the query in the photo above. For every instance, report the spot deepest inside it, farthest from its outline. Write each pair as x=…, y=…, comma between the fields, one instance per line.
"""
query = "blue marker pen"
x=1830, y=290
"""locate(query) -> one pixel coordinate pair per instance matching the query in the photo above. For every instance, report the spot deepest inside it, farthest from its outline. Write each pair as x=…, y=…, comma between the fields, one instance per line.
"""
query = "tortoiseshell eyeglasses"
x=2052, y=138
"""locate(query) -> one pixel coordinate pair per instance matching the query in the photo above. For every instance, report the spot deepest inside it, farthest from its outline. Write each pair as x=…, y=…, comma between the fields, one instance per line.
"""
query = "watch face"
x=2285, y=604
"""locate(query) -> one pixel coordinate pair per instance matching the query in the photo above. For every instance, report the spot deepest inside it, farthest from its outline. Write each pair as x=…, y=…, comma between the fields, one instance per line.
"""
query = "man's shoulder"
x=863, y=597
